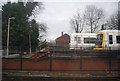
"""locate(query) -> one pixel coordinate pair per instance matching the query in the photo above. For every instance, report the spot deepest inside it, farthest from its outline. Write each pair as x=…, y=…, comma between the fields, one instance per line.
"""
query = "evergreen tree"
x=20, y=26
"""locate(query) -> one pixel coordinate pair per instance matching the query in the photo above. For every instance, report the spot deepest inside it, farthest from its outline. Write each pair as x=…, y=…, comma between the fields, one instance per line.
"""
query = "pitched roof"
x=62, y=36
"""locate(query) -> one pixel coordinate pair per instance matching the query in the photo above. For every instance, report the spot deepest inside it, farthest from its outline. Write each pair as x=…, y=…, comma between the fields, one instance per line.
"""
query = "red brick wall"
x=40, y=65
x=11, y=63
x=115, y=64
x=0, y=63
x=66, y=65
x=62, y=65
x=95, y=64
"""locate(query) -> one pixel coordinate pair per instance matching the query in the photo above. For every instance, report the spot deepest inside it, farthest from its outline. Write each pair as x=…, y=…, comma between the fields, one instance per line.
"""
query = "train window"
x=110, y=39
x=99, y=39
x=78, y=39
x=89, y=40
x=75, y=38
x=118, y=39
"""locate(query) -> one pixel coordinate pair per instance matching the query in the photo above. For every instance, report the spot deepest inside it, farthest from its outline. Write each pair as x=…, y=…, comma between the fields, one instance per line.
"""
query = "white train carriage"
x=82, y=40
x=108, y=40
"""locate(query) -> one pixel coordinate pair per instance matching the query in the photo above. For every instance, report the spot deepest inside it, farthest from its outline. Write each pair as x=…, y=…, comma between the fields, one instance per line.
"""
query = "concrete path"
x=79, y=74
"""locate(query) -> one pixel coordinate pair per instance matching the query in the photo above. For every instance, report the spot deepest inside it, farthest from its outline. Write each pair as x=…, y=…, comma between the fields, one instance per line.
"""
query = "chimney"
x=102, y=28
x=62, y=33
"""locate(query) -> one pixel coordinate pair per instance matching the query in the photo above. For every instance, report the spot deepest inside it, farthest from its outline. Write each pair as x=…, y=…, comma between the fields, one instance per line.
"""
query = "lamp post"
x=8, y=33
x=30, y=38
x=30, y=49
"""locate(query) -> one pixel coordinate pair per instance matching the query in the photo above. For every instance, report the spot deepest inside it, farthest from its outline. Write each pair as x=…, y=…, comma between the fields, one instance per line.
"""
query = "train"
x=103, y=40
x=108, y=40
x=82, y=40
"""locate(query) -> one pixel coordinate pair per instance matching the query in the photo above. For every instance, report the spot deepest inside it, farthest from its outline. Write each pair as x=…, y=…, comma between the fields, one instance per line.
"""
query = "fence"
x=68, y=60
x=14, y=50
x=63, y=58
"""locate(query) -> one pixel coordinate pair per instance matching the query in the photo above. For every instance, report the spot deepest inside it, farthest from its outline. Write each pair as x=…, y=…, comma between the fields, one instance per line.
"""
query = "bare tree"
x=77, y=23
x=112, y=22
x=93, y=16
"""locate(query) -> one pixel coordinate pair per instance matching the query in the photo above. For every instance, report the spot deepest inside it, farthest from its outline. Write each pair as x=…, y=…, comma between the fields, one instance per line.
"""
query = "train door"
x=117, y=42
x=99, y=41
x=111, y=41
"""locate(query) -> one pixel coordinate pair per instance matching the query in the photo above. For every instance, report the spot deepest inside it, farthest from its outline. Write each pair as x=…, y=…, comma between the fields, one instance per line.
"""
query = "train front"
x=99, y=41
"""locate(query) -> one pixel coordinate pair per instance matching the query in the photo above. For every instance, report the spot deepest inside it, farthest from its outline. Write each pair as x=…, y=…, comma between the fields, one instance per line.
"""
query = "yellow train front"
x=108, y=40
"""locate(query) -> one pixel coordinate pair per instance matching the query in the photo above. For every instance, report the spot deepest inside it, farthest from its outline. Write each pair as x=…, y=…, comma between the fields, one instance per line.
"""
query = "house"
x=63, y=40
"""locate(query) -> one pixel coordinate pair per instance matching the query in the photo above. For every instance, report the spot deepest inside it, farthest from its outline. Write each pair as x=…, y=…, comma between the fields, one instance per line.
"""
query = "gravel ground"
x=59, y=73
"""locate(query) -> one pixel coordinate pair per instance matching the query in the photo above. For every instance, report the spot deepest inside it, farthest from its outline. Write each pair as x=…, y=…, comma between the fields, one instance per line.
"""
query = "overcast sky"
x=57, y=13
